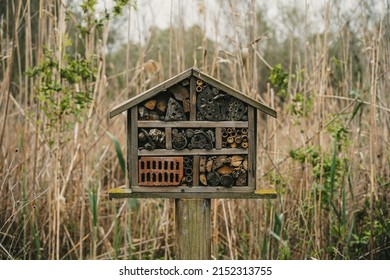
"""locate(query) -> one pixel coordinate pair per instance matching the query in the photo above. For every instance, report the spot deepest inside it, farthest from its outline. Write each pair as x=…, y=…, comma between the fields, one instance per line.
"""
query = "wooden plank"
x=257, y=126
x=133, y=171
x=168, y=138
x=231, y=91
x=195, y=189
x=187, y=152
x=251, y=147
x=193, y=229
x=192, y=99
x=218, y=138
x=129, y=149
x=125, y=193
x=149, y=93
x=192, y=124
x=195, y=169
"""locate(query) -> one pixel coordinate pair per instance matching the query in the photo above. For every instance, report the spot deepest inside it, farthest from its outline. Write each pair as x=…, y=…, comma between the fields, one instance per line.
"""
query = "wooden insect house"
x=191, y=136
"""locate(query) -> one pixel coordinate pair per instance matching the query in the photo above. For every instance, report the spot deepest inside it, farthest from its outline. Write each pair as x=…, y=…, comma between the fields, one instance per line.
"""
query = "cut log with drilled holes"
x=174, y=111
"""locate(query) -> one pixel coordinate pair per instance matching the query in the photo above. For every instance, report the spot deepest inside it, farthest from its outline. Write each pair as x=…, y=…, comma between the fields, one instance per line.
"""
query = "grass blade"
x=119, y=152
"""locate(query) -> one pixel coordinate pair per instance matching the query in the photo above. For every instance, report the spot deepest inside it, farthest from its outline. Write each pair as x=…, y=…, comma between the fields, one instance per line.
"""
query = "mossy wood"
x=192, y=136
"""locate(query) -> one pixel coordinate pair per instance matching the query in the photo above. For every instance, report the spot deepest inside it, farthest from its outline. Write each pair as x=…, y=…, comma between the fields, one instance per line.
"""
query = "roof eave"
x=149, y=93
x=190, y=72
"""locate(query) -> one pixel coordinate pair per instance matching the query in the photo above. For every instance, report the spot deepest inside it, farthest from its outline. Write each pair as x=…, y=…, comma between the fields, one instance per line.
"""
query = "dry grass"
x=327, y=154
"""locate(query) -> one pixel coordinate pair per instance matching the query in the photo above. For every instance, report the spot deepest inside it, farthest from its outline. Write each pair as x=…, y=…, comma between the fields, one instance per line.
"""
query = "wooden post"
x=193, y=229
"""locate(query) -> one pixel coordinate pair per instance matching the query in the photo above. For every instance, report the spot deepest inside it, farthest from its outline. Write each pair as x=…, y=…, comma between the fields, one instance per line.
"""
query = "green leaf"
x=333, y=171
x=118, y=152
x=93, y=198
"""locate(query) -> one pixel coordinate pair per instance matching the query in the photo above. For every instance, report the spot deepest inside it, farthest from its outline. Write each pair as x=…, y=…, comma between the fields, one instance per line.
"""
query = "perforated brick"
x=160, y=171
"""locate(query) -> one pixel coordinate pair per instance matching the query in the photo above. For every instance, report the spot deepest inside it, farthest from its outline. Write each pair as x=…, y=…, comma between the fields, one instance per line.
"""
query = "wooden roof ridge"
x=184, y=75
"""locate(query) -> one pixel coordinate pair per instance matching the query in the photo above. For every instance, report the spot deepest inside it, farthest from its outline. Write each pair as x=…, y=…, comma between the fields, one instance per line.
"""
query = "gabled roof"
x=180, y=77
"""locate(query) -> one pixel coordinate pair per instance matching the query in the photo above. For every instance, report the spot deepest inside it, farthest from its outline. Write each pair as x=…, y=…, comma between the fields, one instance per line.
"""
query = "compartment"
x=234, y=138
x=160, y=171
x=170, y=105
x=213, y=104
x=193, y=138
x=223, y=170
x=151, y=138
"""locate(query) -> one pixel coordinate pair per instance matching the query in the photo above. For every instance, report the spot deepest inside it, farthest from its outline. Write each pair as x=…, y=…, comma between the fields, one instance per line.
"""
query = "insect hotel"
x=192, y=136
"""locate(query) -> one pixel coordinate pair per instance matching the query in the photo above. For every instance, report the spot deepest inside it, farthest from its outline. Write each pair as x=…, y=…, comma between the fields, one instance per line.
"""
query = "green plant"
x=301, y=105
x=93, y=204
x=64, y=91
x=279, y=78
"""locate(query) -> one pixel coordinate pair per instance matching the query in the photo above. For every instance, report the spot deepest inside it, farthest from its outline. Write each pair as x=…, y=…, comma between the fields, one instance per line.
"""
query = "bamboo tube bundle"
x=188, y=171
x=235, y=138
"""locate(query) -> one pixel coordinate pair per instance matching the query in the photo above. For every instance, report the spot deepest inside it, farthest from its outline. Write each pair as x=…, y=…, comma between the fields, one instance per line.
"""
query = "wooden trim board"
x=192, y=124
x=126, y=193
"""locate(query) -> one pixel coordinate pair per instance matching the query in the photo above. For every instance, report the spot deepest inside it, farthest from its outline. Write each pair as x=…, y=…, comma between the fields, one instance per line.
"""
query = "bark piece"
x=203, y=179
x=186, y=106
x=151, y=104
x=209, y=165
x=219, y=161
x=202, y=164
x=181, y=93
x=162, y=104
x=225, y=170
x=245, y=164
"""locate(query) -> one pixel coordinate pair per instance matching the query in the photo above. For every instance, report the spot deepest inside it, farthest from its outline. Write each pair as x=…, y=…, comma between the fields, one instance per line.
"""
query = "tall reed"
x=327, y=153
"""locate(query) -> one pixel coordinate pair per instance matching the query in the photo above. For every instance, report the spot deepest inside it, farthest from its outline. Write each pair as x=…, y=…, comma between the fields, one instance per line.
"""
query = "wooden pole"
x=193, y=229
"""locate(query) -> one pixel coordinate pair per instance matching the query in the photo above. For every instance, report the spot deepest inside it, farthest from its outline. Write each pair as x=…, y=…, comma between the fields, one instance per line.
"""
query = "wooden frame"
x=250, y=190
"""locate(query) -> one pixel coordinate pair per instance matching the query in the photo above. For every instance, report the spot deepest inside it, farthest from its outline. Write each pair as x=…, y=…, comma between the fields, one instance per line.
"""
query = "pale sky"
x=216, y=14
